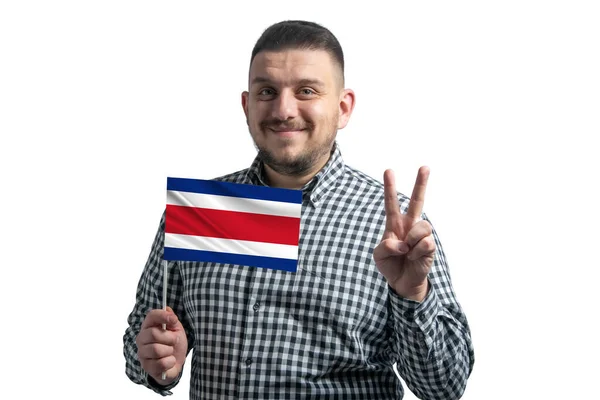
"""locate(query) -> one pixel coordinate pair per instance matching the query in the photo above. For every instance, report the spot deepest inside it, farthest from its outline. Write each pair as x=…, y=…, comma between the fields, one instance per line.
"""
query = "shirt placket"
x=250, y=357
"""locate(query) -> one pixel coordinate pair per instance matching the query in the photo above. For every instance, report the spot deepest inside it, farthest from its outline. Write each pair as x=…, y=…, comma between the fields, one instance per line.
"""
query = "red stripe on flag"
x=232, y=225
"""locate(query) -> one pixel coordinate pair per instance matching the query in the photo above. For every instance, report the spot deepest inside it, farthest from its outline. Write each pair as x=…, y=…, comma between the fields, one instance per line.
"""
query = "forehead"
x=287, y=65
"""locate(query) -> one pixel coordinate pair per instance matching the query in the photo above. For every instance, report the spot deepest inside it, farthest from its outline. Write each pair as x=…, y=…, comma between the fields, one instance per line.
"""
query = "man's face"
x=294, y=106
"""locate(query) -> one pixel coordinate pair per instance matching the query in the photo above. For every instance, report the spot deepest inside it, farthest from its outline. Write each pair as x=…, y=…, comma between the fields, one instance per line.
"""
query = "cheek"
x=254, y=115
x=323, y=112
x=315, y=112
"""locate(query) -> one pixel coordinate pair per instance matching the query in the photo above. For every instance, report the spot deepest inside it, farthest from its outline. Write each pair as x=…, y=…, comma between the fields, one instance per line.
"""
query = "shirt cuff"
x=158, y=388
x=418, y=317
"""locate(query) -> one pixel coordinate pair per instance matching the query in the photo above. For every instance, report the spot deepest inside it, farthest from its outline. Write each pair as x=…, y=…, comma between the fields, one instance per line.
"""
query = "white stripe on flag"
x=229, y=203
x=262, y=249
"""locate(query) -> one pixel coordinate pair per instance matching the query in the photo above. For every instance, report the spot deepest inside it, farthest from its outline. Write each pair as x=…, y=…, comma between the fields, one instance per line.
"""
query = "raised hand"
x=405, y=254
x=162, y=350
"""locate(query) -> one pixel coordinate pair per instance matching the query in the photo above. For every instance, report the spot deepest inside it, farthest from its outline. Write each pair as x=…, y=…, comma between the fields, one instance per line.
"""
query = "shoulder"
x=359, y=182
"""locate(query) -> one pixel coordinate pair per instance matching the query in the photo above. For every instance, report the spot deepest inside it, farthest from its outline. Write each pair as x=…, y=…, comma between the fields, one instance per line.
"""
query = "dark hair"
x=304, y=35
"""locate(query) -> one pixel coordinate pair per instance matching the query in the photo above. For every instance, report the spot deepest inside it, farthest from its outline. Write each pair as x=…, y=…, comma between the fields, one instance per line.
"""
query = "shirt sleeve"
x=149, y=297
x=435, y=353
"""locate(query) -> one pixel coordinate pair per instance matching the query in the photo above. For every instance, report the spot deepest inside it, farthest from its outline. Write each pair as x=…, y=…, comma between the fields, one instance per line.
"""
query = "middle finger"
x=155, y=351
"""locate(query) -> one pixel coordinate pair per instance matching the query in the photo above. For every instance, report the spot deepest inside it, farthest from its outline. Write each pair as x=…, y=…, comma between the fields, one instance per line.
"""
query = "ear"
x=245, y=103
x=347, y=101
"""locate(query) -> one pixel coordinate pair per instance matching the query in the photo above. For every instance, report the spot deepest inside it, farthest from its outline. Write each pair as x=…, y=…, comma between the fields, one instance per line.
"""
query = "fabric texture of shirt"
x=333, y=329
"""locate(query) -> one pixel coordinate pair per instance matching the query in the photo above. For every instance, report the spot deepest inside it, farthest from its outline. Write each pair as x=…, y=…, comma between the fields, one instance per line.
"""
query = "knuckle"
x=166, y=363
x=430, y=244
x=156, y=349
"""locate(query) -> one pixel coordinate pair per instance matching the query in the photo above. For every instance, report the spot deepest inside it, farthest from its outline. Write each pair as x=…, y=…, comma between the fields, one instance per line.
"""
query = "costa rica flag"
x=232, y=223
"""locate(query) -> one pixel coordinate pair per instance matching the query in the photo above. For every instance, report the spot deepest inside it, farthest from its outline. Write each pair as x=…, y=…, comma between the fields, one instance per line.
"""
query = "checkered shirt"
x=333, y=329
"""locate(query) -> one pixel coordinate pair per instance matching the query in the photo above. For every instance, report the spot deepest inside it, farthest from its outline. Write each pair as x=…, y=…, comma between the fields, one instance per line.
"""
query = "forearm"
x=433, y=343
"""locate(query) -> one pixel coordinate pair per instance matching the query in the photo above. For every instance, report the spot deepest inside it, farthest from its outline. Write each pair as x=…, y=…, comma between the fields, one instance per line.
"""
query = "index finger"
x=392, y=206
x=415, y=206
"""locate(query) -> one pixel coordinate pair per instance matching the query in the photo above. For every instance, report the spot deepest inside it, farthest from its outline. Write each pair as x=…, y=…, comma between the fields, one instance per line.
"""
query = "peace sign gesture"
x=405, y=254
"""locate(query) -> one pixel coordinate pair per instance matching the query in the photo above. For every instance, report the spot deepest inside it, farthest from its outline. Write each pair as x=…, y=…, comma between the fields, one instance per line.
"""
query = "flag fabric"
x=232, y=223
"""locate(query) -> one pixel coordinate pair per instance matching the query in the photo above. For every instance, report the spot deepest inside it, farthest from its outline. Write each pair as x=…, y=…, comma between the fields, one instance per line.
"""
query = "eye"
x=266, y=92
x=307, y=92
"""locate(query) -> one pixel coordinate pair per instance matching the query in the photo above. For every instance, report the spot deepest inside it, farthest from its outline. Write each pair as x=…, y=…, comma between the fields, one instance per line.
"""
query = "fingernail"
x=403, y=247
x=171, y=319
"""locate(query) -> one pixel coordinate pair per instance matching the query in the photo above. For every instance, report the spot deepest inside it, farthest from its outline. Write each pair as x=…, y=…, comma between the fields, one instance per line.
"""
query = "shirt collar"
x=317, y=187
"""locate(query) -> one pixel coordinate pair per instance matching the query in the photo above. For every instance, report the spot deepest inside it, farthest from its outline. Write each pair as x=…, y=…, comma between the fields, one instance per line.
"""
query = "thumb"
x=403, y=247
x=172, y=319
x=158, y=317
x=390, y=248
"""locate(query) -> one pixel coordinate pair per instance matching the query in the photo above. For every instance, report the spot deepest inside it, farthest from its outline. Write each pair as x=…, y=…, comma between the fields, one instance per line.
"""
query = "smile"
x=286, y=133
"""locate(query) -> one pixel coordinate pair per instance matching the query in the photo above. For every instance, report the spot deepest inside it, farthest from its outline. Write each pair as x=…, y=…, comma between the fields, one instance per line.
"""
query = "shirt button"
x=256, y=307
x=248, y=361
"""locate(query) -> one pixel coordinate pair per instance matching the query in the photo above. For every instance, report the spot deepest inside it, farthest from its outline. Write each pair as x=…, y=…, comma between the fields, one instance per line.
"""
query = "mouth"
x=286, y=132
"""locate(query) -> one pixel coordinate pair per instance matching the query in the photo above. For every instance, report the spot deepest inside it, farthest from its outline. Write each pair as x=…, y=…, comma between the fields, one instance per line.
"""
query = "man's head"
x=296, y=99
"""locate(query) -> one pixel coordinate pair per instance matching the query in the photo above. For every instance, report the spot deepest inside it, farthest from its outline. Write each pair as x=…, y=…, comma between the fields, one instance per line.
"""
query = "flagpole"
x=164, y=301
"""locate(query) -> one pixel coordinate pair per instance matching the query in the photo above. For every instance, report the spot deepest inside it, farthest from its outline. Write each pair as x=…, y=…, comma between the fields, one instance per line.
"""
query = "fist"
x=162, y=350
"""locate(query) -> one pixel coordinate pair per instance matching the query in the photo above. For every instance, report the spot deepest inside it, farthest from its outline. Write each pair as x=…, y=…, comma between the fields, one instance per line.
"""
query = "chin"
x=285, y=157
x=286, y=162
x=284, y=148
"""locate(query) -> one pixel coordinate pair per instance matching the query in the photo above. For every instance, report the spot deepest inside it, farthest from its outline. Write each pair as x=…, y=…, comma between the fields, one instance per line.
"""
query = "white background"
x=101, y=101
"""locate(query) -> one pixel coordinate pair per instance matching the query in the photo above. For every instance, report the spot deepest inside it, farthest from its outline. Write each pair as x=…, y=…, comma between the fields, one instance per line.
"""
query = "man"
x=372, y=287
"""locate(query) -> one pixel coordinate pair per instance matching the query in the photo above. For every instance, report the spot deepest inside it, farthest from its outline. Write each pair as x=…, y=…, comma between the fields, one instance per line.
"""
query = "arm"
x=435, y=354
x=149, y=297
x=432, y=338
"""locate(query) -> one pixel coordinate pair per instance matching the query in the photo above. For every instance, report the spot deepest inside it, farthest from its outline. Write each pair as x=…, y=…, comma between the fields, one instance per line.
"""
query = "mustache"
x=287, y=125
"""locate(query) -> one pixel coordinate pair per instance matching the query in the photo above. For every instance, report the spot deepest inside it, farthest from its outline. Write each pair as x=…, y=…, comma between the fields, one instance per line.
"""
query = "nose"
x=285, y=106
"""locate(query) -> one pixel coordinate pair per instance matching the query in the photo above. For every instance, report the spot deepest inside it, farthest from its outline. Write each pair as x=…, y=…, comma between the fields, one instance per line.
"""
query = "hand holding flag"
x=161, y=352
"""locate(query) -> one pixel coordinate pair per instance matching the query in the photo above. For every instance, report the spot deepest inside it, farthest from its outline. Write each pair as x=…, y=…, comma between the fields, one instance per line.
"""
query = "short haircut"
x=302, y=35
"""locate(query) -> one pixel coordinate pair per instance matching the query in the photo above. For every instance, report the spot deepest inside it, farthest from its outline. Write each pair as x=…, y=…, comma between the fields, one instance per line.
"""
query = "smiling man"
x=372, y=287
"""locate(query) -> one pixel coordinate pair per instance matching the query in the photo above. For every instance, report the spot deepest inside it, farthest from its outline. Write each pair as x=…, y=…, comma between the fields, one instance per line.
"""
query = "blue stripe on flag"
x=234, y=190
x=284, y=264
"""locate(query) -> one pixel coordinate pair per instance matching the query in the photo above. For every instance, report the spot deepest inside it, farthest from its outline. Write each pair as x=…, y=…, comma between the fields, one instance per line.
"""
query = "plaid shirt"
x=333, y=329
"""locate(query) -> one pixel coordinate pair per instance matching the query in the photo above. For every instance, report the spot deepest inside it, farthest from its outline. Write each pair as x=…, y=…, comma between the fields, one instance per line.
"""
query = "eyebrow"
x=299, y=82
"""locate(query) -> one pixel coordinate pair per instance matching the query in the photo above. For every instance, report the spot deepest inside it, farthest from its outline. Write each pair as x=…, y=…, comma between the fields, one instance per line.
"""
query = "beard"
x=304, y=162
